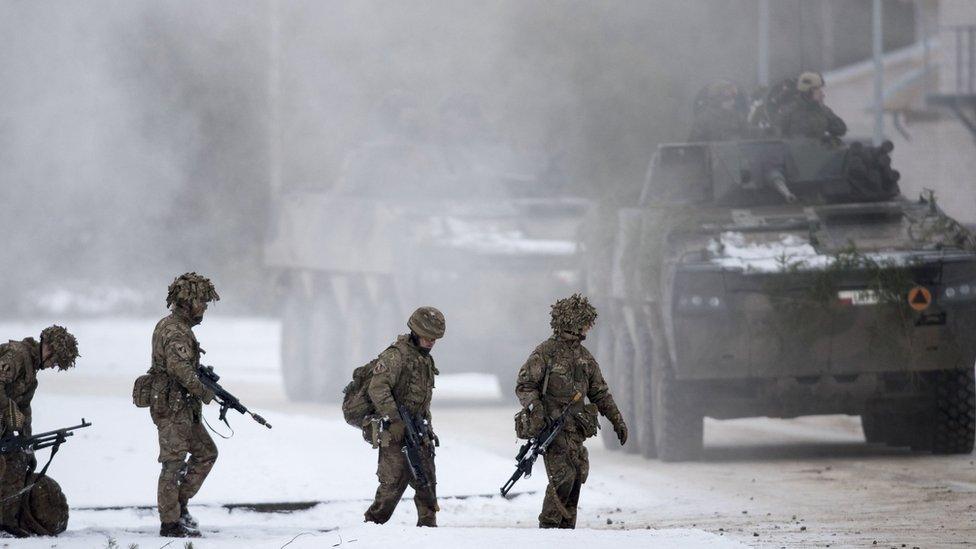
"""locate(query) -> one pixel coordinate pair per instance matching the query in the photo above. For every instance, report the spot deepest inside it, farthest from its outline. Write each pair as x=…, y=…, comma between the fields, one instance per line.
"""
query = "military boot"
x=177, y=530
x=187, y=520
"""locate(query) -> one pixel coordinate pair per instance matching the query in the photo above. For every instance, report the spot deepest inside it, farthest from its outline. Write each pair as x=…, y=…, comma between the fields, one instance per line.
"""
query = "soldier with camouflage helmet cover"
x=808, y=115
x=20, y=361
x=556, y=370
x=404, y=375
x=177, y=398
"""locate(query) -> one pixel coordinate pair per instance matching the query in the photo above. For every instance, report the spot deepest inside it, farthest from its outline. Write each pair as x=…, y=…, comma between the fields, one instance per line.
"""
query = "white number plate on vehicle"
x=858, y=297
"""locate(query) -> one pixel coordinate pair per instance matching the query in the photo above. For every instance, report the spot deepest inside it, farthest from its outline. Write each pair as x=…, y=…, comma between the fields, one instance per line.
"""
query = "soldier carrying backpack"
x=400, y=379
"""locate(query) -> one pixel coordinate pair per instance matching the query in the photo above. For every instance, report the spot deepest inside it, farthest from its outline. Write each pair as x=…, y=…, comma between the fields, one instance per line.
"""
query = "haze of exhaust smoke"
x=136, y=135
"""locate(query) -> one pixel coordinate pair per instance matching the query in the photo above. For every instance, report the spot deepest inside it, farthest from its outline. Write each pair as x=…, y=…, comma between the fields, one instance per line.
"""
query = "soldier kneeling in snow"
x=30, y=504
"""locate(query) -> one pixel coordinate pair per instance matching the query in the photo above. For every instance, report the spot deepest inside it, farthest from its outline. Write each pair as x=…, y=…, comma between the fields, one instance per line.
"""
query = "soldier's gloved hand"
x=620, y=428
x=537, y=419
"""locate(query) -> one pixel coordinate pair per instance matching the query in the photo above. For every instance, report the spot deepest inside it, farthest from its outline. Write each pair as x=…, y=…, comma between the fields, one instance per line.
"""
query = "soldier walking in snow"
x=175, y=400
x=557, y=371
x=401, y=389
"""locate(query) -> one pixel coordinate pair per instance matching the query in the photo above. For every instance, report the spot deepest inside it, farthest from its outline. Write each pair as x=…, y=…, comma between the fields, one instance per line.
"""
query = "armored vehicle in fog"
x=469, y=229
x=784, y=278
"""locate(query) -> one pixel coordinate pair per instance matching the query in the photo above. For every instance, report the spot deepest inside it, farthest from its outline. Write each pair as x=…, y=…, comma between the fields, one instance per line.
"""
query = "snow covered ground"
x=806, y=482
x=310, y=458
x=307, y=459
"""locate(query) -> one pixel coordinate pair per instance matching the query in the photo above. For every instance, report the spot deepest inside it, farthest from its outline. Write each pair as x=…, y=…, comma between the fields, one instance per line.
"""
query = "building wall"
x=938, y=152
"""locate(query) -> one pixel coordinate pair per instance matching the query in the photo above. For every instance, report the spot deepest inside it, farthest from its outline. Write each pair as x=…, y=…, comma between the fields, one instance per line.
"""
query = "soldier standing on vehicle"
x=808, y=116
x=19, y=363
x=555, y=372
x=404, y=375
x=176, y=404
x=720, y=114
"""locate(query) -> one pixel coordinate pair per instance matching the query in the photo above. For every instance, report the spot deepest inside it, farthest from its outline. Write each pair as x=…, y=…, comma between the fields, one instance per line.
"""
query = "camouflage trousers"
x=14, y=471
x=394, y=475
x=567, y=466
x=181, y=478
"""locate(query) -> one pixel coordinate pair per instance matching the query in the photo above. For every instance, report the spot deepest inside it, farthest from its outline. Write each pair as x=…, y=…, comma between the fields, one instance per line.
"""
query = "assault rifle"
x=39, y=441
x=416, y=435
x=227, y=401
x=537, y=446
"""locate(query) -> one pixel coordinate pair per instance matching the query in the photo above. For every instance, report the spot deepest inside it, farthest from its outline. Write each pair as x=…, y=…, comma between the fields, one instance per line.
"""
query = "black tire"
x=954, y=429
x=624, y=391
x=648, y=356
x=873, y=425
x=601, y=341
x=295, y=348
x=678, y=426
x=325, y=376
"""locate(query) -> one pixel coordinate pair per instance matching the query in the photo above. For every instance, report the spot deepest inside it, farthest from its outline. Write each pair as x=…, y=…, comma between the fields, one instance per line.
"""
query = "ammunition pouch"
x=587, y=420
x=142, y=391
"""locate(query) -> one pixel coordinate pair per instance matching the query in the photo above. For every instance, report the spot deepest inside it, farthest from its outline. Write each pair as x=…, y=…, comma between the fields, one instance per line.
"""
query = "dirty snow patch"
x=735, y=250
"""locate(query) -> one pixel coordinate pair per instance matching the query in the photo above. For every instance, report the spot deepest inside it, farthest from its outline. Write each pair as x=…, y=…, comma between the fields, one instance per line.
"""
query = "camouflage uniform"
x=404, y=374
x=19, y=363
x=570, y=368
x=178, y=397
x=177, y=405
x=808, y=118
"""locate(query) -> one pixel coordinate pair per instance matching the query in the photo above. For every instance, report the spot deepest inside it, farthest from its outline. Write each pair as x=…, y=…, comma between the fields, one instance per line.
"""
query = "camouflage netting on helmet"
x=62, y=344
x=427, y=322
x=190, y=287
x=573, y=314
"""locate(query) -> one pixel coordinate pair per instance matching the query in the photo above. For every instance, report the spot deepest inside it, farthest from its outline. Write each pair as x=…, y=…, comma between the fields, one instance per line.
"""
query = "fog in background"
x=140, y=139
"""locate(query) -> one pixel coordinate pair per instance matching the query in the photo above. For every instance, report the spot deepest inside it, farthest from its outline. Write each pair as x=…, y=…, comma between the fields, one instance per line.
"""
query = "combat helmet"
x=62, y=344
x=573, y=314
x=427, y=322
x=190, y=287
x=809, y=81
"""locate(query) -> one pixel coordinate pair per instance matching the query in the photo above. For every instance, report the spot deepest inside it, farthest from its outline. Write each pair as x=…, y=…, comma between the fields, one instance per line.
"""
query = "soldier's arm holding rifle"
x=528, y=389
x=180, y=364
x=386, y=373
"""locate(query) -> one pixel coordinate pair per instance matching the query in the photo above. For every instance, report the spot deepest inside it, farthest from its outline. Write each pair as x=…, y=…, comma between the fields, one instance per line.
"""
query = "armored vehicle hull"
x=746, y=297
x=396, y=233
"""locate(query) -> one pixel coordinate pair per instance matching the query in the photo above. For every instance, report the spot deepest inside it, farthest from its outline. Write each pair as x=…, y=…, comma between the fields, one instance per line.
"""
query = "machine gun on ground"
x=227, y=401
x=537, y=446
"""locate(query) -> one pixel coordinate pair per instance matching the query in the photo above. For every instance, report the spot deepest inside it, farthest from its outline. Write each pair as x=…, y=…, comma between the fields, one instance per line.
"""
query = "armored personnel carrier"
x=468, y=229
x=784, y=278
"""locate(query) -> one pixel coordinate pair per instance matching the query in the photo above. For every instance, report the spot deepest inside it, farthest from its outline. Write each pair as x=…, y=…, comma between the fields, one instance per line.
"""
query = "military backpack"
x=356, y=405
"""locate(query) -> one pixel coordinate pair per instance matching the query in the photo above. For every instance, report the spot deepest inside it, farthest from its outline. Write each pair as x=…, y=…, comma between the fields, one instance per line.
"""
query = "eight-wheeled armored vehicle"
x=784, y=278
x=467, y=229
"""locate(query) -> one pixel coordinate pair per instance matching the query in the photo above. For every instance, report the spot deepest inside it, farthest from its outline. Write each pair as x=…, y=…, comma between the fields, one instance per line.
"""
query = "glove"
x=537, y=419
x=620, y=428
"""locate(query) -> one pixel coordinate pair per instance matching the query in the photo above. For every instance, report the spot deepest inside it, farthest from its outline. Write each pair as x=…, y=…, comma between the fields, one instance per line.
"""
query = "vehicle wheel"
x=678, y=427
x=625, y=393
x=295, y=348
x=326, y=377
x=601, y=340
x=648, y=355
x=356, y=329
x=955, y=412
x=873, y=425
